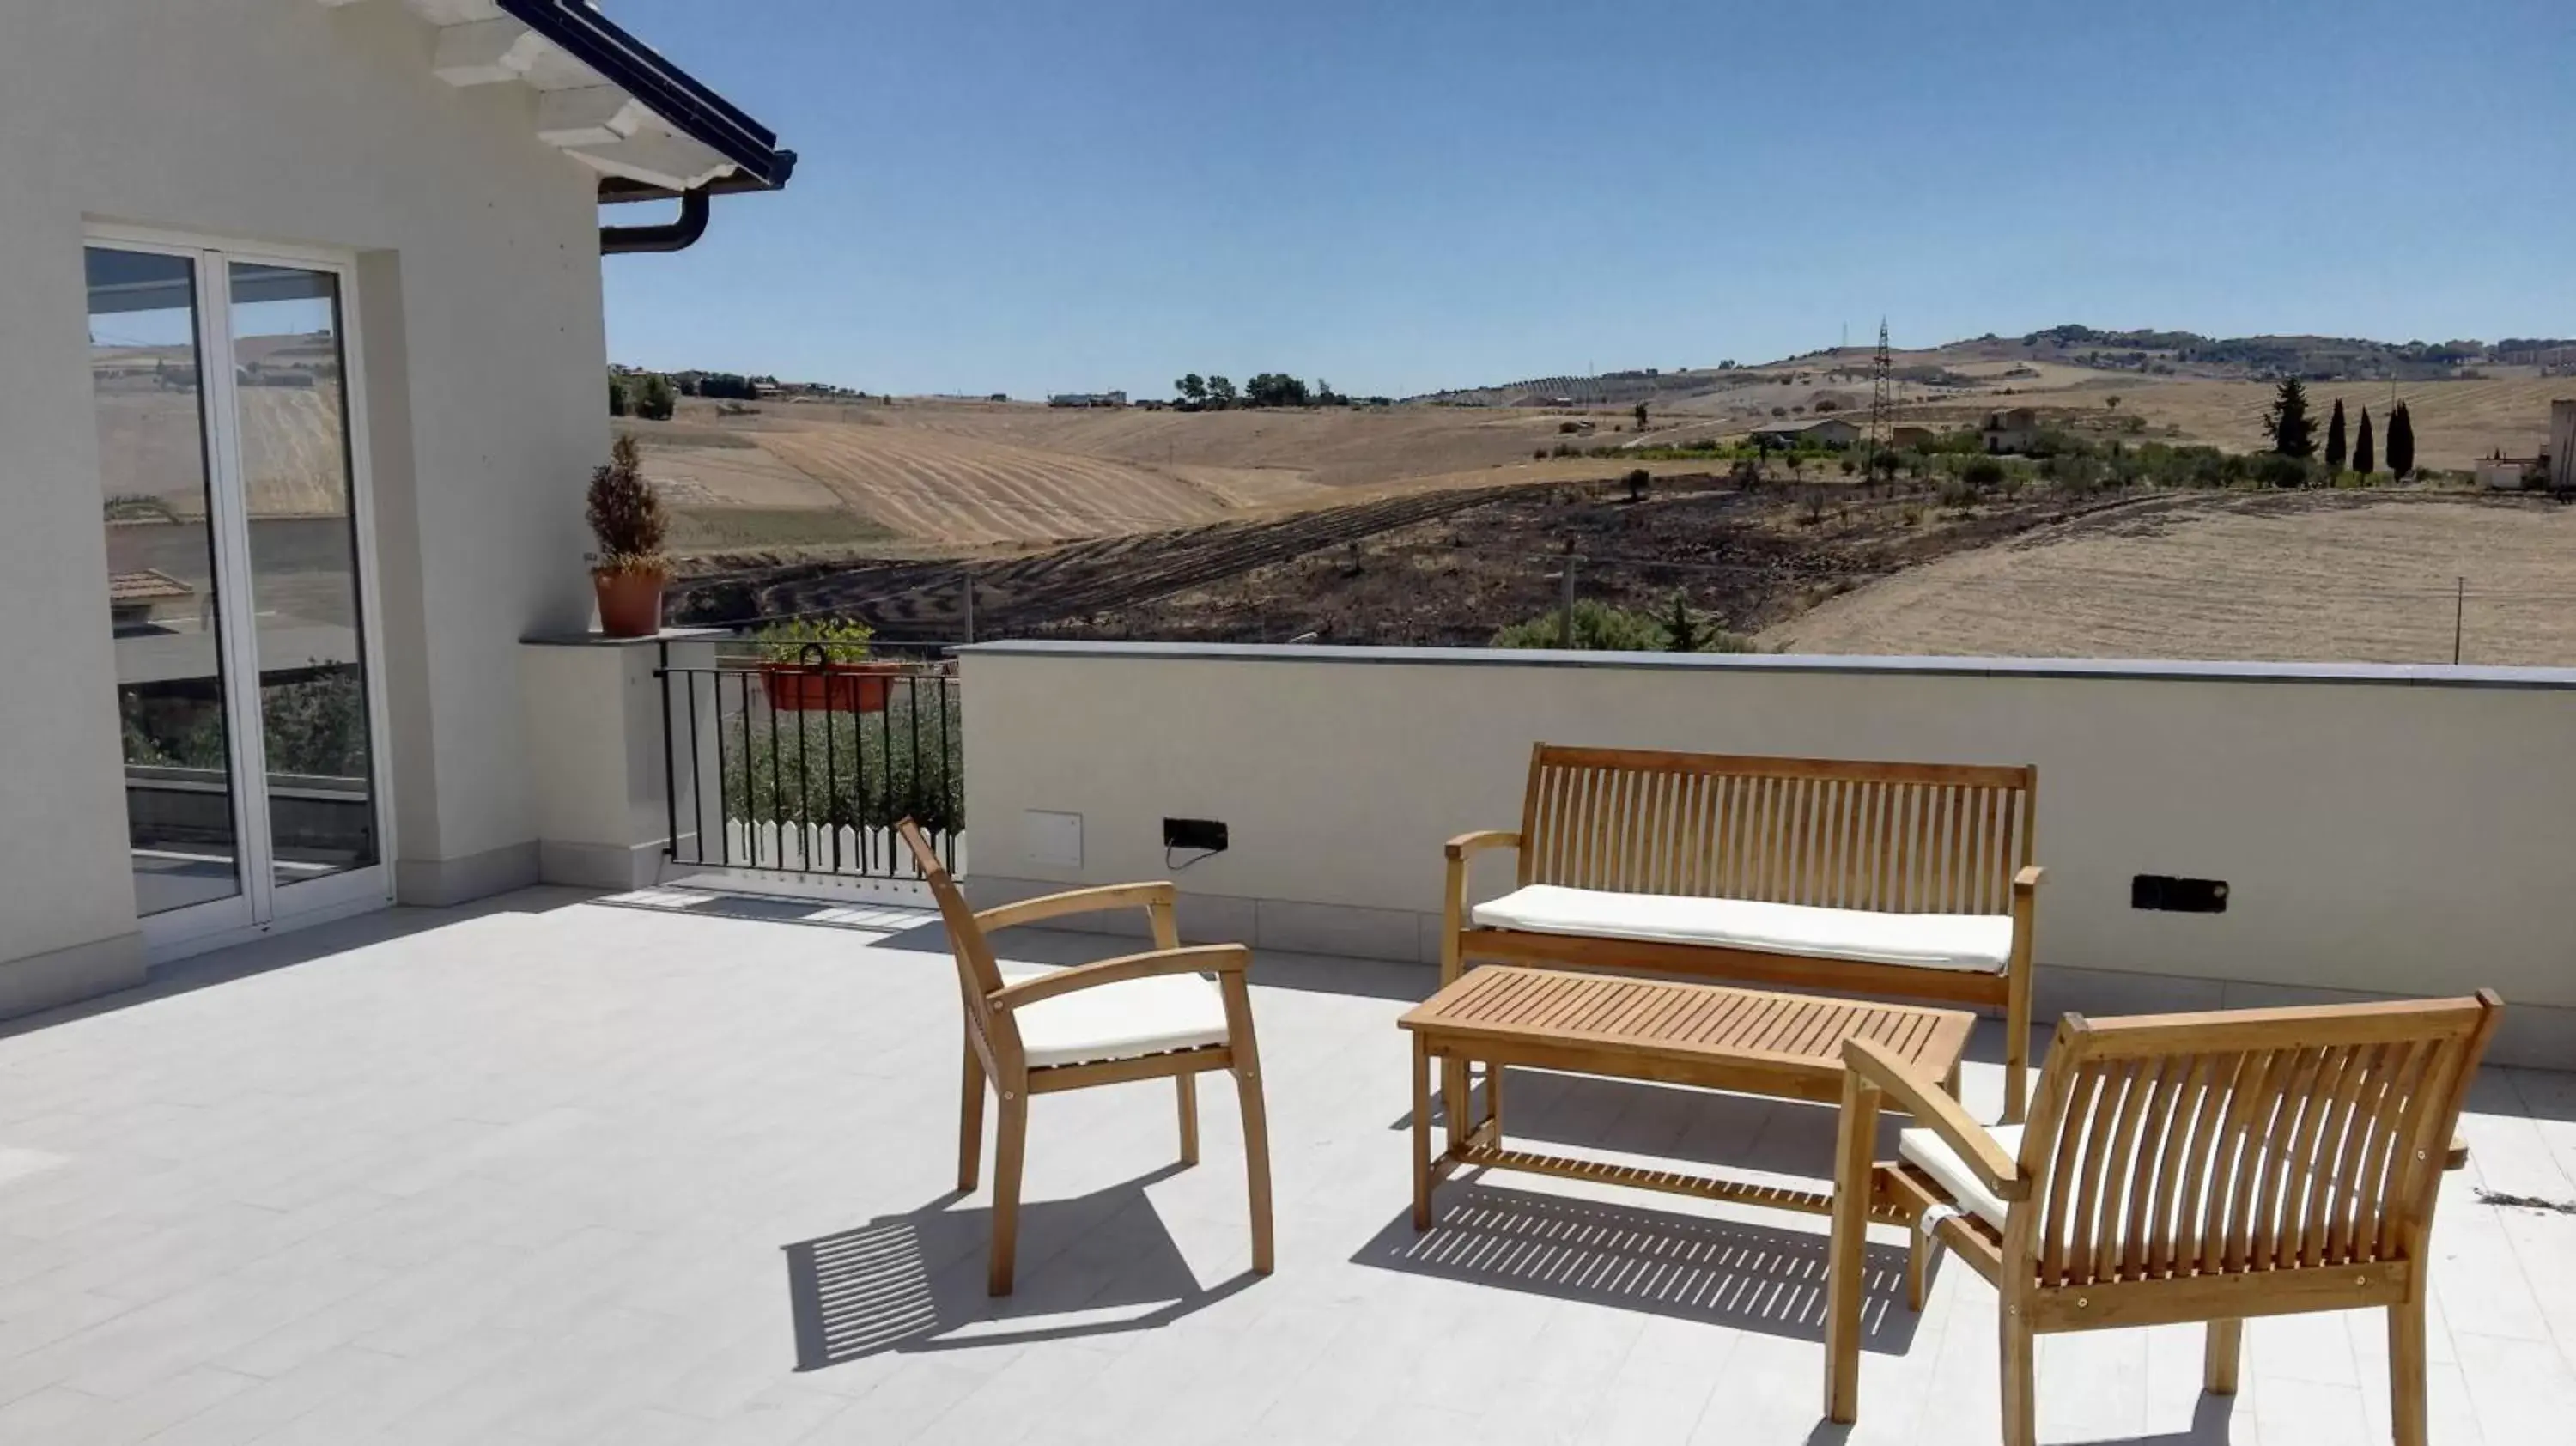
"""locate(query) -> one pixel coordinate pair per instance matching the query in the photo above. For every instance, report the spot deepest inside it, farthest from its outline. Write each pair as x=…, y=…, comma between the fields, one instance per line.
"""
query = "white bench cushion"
x=1977, y=943
x=1931, y=1154
x=1126, y=1020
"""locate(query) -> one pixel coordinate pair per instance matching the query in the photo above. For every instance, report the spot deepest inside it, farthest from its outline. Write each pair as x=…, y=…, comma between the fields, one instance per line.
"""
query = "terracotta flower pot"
x=832, y=688
x=630, y=603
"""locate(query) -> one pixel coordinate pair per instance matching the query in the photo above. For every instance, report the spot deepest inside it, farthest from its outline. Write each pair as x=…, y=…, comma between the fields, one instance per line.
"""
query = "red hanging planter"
x=828, y=687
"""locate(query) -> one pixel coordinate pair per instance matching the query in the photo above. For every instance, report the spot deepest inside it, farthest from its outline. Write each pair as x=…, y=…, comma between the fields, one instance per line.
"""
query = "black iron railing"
x=802, y=761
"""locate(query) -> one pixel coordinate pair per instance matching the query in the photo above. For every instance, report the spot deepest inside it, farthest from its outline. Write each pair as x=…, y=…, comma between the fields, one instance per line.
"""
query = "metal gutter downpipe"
x=677, y=235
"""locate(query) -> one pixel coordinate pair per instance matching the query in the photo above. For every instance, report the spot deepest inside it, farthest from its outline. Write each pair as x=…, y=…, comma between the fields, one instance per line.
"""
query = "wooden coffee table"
x=1787, y=1046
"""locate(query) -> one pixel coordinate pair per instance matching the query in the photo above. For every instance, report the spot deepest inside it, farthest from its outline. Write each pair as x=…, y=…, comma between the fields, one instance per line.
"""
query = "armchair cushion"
x=1125, y=1020
x=1928, y=1152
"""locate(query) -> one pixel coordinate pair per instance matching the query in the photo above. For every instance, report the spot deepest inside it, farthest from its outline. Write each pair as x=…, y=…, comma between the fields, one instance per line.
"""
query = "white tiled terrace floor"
x=567, y=1171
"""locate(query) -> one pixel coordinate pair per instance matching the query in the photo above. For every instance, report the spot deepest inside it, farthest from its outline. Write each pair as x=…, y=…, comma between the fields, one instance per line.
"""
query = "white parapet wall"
x=2381, y=830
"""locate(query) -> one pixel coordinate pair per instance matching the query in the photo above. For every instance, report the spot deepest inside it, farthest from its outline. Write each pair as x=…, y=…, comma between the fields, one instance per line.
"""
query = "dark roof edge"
x=2424, y=675
x=668, y=91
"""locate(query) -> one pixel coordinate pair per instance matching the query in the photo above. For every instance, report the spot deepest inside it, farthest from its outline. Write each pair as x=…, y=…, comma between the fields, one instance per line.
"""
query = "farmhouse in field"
x=1911, y=436
x=277, y=597
x=2501, y=473
x=1828, y=432
x=2562, y=445
x=2012, y=430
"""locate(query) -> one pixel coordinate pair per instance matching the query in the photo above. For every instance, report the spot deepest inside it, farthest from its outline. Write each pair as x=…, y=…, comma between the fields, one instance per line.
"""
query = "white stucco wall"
x=287, y=121
x=2377, y=834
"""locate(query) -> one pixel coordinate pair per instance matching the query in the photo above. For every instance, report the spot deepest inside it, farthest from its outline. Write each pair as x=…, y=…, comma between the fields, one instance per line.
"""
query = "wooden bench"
x=1905, y=879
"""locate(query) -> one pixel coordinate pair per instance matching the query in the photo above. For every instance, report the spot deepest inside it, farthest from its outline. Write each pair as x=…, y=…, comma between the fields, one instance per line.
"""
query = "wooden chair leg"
x=1494, y=1101
x=2220, y=1350
x=1009, y=1150
x=1187, y=1086
x=1919, y=1251
x=1246, y=1051
x=1256, y=1151
x=970, y=1123
x=1848, y=1251
x=1453, y=1099
x=1421, y=1135
x=2020, y=1372
x=2406, y=1411
x=2016, y=1053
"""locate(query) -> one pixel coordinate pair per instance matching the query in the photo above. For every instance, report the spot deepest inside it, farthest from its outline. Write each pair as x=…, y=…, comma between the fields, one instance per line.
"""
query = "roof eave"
x=685, y=103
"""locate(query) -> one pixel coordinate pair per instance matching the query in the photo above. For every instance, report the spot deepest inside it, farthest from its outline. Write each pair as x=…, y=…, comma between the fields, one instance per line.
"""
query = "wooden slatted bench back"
x=2250, y=1142
x=1899, y=838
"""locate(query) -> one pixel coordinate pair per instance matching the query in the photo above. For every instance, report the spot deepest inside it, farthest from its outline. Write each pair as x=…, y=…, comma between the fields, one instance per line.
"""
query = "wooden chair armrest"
x=1475, y=843
x=2029, y=879
x=1078, y=901
x=1197, y=959
x=1932, y=1107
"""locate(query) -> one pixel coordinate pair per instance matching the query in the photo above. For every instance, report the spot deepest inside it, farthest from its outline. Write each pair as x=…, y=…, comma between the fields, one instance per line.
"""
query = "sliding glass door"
x=236, y=592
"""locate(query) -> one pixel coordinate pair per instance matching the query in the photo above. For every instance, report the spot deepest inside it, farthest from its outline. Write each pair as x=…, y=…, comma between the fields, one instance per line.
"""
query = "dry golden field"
x=291, y=448
x=943, y=473
x=948, y=474
x=2340, y=576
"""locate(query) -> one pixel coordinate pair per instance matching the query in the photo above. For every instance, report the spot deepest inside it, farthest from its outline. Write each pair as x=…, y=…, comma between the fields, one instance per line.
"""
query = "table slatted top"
x=1692, y=1022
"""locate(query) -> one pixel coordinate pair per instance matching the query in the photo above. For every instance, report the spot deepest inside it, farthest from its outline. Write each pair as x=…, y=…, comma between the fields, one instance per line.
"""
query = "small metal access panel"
x=2167, y=894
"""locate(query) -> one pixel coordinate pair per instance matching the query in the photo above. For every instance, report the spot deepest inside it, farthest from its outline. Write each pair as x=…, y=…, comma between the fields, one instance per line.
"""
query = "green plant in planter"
x=626, y=517
x=843, y=640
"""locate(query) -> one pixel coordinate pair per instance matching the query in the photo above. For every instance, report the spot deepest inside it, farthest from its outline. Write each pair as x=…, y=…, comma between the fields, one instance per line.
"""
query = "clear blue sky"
x=1400, y=195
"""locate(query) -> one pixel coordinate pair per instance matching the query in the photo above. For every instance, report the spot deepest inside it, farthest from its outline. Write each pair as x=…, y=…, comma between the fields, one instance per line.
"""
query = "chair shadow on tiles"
x=1097, y=1264
x=1720, y=1272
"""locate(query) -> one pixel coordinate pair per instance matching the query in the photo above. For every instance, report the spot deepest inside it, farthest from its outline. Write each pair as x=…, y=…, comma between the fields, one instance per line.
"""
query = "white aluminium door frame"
x=262, y=905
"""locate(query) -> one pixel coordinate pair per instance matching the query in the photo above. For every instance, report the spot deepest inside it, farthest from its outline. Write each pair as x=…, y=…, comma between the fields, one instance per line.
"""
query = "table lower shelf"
x=1493, y=1156
x=1480, y=1147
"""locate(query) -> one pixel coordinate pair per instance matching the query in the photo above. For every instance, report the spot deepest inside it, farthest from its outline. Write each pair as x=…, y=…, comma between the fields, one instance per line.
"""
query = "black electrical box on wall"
x=2178, y=896
x=1194, y=833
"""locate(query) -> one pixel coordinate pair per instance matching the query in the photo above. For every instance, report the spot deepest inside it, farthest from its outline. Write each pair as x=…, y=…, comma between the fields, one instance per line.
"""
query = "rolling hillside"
x=2342, y=576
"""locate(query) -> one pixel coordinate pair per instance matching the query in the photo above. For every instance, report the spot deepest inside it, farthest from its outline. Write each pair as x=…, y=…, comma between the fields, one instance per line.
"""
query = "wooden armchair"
x=1140, y=1016
x=2180, y=1167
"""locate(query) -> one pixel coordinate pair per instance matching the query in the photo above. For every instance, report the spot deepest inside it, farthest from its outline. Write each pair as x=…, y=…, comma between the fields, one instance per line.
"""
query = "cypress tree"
x=2293, y=431
x=2334, y=437
x=2363, y=459
x=2401, y=443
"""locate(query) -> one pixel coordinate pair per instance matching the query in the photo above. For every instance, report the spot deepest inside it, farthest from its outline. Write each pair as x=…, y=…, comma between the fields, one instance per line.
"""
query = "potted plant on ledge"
x=630, y=567
x=822, y=665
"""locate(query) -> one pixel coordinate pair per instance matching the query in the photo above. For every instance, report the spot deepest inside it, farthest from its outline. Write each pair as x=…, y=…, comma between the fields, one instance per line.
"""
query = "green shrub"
x=1982, y=473
x=2275, y=469
x=1598, y=627
x=852, y=770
